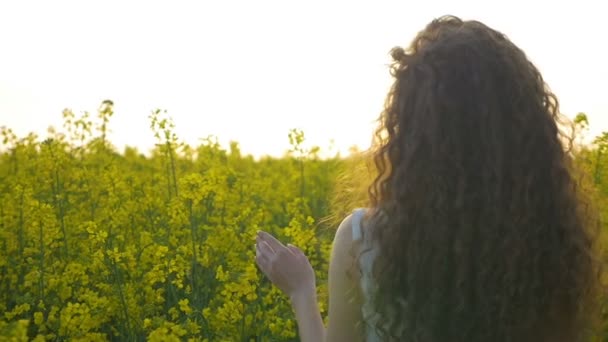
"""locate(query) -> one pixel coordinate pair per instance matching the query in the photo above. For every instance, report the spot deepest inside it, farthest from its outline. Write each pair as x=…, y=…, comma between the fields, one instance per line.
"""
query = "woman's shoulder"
x=361, y=221
x=350, y=228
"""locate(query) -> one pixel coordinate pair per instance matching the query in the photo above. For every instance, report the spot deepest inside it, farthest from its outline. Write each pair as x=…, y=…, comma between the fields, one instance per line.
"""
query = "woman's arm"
x=289, y=269
x=344, y=296
x=310, y=324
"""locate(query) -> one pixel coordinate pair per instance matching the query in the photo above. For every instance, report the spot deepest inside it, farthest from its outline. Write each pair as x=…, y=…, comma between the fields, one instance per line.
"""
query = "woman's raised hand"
x=286, y=266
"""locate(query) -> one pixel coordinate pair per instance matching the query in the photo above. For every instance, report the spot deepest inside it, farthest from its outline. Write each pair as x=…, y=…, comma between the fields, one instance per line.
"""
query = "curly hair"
x=488, y=237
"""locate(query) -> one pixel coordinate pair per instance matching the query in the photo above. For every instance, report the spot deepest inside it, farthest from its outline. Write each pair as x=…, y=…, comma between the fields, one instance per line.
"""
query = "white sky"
x=251, y=70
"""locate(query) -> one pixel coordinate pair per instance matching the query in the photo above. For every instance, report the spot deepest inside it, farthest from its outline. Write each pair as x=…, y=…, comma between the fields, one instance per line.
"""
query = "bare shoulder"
x=349, y=235
x=344, y=293
x=345, y=244
x=344, y=234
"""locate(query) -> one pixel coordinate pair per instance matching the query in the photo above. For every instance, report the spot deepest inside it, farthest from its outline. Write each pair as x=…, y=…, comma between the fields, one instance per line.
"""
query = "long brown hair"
x=487, y=237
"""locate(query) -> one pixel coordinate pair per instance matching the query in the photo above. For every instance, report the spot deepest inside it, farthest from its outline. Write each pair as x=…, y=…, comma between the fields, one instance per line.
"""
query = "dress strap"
x=357, y=217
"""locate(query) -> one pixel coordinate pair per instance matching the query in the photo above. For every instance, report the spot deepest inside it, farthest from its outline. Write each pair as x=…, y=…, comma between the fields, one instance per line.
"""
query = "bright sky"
x=251, y=70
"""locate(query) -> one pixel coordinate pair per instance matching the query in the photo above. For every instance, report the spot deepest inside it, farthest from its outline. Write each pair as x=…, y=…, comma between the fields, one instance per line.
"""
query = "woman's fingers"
x=264, y=250
x=275, y=244
x=268, y=247
x=287, y=267
x=295, y=250
x=263, y=255
x=274, y=248
x=271, y=251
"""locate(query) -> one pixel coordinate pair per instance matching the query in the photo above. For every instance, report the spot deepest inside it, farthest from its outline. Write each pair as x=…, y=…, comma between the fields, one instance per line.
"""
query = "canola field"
x=97, y=245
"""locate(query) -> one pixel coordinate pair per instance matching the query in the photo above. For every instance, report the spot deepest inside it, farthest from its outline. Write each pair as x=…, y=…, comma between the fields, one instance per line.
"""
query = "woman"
x=476, y=230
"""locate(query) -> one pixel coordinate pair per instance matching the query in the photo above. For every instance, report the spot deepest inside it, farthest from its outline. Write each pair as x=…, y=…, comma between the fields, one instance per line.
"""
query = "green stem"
x=41, y=261
x=169, y=182
x=58, y=204
x=123, y=302
x=193, y=283
x=597, y=166
x=118, y=283
x=21, y=238
x=302, y=177
x=172, y=160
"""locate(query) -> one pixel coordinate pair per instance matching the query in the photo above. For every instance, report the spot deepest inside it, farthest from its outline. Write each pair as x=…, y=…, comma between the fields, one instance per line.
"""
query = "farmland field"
x=98, y=245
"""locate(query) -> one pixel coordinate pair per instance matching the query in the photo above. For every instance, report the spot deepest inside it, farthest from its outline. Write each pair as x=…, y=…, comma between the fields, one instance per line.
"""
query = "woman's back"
x=367, y=285
x=485, y=236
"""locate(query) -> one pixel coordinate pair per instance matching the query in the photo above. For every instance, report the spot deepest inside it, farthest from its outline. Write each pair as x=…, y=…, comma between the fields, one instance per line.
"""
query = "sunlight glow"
x=251, y=70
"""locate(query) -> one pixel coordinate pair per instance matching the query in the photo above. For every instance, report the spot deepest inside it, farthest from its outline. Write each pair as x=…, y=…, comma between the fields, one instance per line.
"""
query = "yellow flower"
x=38, y=318
x=207, y=313
x=173, y=313
x=220, y=274
x=184, y=306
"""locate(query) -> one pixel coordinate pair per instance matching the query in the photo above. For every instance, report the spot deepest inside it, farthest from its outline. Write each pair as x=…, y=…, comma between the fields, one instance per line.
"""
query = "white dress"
x=368, y=286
